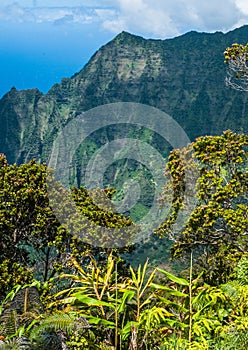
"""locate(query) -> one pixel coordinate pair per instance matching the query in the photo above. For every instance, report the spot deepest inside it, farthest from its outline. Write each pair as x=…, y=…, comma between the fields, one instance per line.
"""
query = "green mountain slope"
x=183, y=76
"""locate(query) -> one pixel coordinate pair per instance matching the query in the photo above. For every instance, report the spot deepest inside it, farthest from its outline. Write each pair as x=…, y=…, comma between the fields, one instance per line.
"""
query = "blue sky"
x=42, y=41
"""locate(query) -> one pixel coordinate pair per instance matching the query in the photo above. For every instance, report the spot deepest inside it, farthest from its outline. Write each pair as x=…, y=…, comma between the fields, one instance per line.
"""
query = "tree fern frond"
x=55, y=322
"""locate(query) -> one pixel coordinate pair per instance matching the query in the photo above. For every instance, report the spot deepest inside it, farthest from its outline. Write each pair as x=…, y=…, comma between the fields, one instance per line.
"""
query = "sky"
x=43, y=41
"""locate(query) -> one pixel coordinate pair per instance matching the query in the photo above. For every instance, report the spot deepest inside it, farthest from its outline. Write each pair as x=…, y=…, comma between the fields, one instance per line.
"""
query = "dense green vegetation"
x=58, y=292
x=217, y=224
x=33, y=242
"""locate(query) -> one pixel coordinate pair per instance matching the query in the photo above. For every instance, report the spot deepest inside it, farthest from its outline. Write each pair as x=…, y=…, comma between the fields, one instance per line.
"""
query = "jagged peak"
x=127, y=37
x=15, y=92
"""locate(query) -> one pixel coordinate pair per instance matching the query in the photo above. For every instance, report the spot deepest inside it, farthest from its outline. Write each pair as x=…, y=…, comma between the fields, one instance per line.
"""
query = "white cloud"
x=139, y=16
x=66, y=14
x=172, y=17
x=151, y=18
x=15, y=11
x=243, y=6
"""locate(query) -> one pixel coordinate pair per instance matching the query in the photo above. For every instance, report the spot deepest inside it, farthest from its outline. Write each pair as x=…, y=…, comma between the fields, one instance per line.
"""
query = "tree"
x=217, y=227
x=27, y=225
x=236, y=58
x=33, y=242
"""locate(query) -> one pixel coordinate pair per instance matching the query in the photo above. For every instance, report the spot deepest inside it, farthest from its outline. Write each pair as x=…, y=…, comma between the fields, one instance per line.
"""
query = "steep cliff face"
x=183, y=76
x=19, y=127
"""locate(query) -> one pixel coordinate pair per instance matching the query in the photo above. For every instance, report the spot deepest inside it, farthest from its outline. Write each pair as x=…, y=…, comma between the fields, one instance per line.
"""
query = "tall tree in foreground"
x=217, y=228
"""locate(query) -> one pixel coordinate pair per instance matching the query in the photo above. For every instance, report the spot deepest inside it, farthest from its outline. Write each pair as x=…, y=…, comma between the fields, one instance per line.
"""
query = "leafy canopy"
x=217, y=227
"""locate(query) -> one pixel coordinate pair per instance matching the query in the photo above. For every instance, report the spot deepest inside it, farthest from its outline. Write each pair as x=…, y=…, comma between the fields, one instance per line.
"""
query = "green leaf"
x=91, y=301
x=173, y=278
x=127, y=296
x=97, y=320
x=170, y=290
x=126, y=330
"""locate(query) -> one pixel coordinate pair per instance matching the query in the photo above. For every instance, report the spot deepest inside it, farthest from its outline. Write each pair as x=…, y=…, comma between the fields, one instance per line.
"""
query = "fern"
x=9, y=321
x=20, y=343
x=22, y=306
x=51, y=330
x=56, y=322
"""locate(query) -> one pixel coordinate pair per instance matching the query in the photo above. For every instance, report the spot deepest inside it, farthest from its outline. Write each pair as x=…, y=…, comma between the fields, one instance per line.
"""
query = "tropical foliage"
x=60, y=293
x=150, y=309
x=217, y=227
x=34, y=244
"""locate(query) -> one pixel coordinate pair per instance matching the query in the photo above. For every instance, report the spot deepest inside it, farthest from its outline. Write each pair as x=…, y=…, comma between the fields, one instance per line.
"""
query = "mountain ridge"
x=182, y=76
